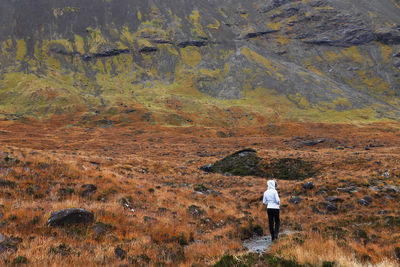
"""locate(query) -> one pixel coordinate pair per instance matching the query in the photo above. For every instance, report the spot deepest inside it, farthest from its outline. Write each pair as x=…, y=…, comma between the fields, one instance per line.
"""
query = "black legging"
x=273, y=218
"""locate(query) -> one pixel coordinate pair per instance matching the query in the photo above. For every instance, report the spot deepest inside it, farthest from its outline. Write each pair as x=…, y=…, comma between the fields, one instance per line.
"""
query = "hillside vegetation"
x=153, y=206
x=210, y=63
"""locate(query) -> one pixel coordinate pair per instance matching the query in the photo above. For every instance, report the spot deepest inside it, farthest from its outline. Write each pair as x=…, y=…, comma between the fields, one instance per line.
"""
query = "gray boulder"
x=365, y=201
x=69, y=217
x=295, y=200
x=308, y=185
x=330, y=206
x=334, y=199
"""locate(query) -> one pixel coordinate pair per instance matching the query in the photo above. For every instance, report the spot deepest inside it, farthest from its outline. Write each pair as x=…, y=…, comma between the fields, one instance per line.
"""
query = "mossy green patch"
x=191, y=56
x=6, y=46
x=215, y=26
x=94, y=40
x=79, y=44
x=241, y=163
x=198, y=28
x=21, y=50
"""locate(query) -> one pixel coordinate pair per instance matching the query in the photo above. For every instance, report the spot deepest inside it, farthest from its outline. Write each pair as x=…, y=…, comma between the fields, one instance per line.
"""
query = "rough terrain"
x=146, y=200
x=210, y=63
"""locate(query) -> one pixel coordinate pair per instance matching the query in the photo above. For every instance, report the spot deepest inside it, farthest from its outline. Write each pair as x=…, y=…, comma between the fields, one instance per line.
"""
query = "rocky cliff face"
x=215, y=62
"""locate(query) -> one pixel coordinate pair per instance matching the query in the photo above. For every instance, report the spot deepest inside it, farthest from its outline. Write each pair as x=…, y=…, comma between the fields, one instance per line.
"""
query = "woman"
x=271, y=199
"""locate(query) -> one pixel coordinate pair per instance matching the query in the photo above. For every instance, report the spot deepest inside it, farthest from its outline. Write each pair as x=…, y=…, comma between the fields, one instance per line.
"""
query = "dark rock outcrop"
x=329, y=206
x=300, y=51
x=251, y=35
x=334, y=199
x=388, y=36
x=69, y=217
x=106, y=53
x=89, y=189
x=242, y=163
x=148, y=50
x=192, y=43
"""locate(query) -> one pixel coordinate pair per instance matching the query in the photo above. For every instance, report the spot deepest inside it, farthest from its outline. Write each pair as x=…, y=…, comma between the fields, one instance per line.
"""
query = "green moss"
x=21, y=50
x=215, y=26
x=94, y=40
x=198, y=28
x=241, y=163
x=290, y=169
x=191, y=56
x=79, y=44
x=271, y=68
x=342, y=103
x=6, y=46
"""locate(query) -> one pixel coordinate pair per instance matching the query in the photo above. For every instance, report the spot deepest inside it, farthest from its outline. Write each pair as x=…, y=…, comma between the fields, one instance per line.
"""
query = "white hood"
x=271, y=184
x=271, y=197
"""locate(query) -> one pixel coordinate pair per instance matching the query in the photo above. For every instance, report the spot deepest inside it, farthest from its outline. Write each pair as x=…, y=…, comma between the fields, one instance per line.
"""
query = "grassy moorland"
x=153, y=206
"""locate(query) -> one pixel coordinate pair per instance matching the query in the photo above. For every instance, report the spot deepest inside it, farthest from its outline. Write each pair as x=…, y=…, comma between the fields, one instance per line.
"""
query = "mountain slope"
x=211, y=62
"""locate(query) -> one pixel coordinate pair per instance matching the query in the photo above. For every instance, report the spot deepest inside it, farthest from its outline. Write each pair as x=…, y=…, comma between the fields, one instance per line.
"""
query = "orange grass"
x=156, y=170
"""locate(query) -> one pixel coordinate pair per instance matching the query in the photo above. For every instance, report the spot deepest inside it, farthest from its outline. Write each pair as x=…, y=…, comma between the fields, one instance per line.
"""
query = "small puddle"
x=261, y=244
x=258, y=244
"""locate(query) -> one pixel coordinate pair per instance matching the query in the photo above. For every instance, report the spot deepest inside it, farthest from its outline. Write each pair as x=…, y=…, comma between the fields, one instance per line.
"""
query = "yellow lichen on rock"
x=21, y=50
x=191, y=56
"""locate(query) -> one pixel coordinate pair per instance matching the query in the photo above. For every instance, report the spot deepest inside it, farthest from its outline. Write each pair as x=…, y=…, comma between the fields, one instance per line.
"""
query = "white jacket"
x=271, y=197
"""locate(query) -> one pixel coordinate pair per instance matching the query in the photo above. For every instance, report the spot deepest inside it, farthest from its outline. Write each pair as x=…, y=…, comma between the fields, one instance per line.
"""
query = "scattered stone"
x=363, y=202
x=201, y=188
x=148, y=219
x=349, y=189
x=295, y=200
x=330, y=206
x=94, y=164
x=386, y=174
x=334, y=199
x=89, y=190
x=120, y=253
x=127, y=204
x=368, y=199
x=196, y=211
x=308, y=185
x=382, y=212
x=312, y=142
x=101, y=228
x=69, y=217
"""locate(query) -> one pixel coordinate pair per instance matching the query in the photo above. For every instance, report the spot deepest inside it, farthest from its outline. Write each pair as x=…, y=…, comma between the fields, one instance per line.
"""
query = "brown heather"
x=155, y=170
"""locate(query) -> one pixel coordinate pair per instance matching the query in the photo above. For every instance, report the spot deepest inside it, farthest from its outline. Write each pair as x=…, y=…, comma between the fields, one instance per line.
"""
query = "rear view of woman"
x=271, y=199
